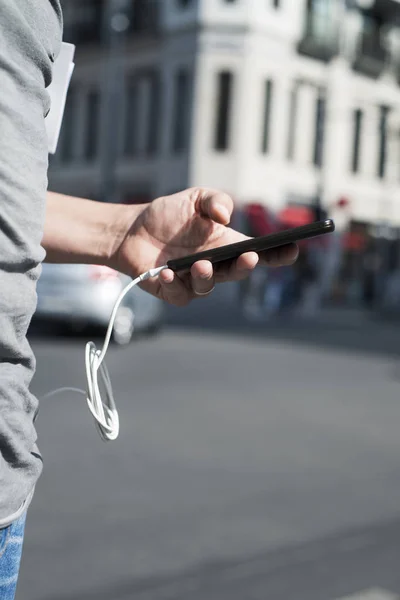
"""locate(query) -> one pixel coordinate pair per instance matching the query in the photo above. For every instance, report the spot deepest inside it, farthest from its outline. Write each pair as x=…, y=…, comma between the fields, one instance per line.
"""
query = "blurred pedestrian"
x=258, y=221
x=128, y=238
x=308, y=295
x=274, y=293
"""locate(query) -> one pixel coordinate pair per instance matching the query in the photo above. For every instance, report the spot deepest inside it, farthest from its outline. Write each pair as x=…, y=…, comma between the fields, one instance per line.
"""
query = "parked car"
x=84, y=295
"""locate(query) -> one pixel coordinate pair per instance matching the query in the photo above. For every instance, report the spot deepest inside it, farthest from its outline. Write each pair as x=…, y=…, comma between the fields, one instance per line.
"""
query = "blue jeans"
x=11, y=539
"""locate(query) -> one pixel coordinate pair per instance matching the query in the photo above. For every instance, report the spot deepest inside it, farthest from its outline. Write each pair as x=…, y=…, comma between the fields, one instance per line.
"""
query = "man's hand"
x=182, y=224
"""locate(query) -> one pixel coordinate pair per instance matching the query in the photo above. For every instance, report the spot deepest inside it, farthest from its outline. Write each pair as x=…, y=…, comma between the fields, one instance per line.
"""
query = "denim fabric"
x=11, y=539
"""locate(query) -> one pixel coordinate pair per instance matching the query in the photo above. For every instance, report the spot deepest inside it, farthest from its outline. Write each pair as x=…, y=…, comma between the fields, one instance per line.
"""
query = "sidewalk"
x=353, y=317
x=330, y=317
x=223, y=312
x=339, y=316
x=225, y=297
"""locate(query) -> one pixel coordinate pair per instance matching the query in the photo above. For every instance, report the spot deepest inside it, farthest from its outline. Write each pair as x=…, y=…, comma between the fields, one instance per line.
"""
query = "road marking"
x=374, y=594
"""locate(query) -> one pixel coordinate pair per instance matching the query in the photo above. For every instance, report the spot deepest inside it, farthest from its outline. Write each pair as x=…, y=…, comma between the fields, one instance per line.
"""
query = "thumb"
x=216, y=205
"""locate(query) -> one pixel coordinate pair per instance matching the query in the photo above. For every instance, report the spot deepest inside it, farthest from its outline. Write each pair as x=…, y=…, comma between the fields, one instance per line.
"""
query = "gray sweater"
x=30, y=37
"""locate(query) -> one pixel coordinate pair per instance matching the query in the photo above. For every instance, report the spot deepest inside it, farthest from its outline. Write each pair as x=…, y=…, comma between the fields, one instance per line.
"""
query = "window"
x=83, y=21
x=292, y=123
x=143, y=112
x=266, y=116
x=383, y=141
x=154, y=114
x=132, y=116
x=92, y=125
x=180, y=120
x=224, y=101
x=372, y=53
x=371, y=26
x=319, y=18
x=67, y=140
x=144, y=16
x=319, y=131
x=357, y=132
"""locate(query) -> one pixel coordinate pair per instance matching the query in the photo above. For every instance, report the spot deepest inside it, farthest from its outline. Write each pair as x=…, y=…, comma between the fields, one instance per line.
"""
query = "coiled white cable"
x=103, y=409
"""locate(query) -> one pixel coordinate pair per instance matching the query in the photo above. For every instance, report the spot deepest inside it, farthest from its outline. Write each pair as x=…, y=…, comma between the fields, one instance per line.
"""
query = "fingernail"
x=167, y=281
x=224, y=212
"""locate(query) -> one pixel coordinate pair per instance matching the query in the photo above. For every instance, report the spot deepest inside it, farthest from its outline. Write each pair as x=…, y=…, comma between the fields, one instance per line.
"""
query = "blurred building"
x=283, y=101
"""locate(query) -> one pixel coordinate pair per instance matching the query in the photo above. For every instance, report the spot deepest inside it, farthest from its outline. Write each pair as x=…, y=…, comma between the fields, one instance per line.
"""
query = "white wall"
x=256, y=42
x=248, y=174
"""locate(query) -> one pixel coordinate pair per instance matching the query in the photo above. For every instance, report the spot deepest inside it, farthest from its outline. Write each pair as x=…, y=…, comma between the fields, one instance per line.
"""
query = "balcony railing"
x=388, y=10
x=319, y=42
x=372, y=56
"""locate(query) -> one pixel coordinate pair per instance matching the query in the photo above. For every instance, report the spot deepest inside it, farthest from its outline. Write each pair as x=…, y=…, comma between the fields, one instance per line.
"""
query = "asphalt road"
x=254, y=462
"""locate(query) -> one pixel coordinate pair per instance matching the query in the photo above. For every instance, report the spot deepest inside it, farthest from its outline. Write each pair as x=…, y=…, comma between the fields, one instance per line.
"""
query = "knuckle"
x=196, y=193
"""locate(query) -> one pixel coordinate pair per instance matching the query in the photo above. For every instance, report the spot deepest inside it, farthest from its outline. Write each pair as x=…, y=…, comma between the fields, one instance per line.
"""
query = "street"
x=254, y=462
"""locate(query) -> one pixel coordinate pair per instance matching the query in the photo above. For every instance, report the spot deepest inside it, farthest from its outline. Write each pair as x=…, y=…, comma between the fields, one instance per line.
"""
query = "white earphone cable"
x=103, y=409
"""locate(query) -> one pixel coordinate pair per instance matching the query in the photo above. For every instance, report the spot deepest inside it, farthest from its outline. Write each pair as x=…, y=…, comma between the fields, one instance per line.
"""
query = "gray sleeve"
x=30, y=36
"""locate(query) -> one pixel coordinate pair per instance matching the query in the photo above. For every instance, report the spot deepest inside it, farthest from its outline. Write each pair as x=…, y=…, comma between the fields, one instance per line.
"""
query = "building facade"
x=279, y=101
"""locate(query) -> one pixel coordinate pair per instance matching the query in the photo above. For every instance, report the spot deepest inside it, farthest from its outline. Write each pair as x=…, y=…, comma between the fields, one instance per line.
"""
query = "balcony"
x=321, y=38
x=387, y=10
x=317, y=48
x=372, y=56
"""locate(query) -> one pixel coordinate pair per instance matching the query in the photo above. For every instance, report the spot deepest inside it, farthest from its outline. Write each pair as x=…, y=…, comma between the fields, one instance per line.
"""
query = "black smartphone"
x=257, y=244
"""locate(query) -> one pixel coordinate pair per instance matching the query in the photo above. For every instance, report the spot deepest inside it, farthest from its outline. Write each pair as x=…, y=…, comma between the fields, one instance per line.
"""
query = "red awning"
x=260, y=219
x=295, y=216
